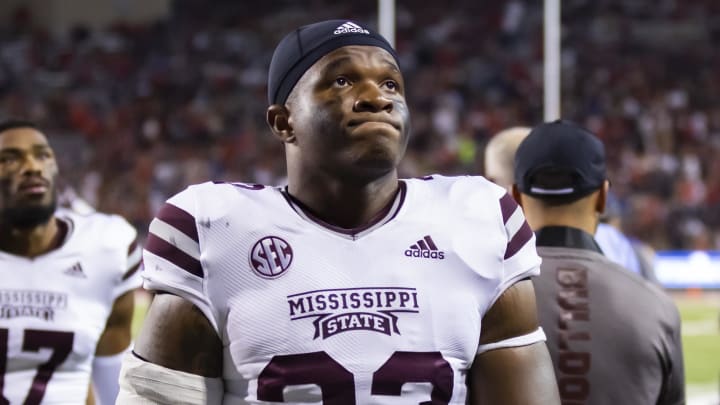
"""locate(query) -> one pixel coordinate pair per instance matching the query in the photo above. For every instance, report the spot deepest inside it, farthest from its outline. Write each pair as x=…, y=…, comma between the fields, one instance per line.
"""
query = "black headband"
x=300, y=49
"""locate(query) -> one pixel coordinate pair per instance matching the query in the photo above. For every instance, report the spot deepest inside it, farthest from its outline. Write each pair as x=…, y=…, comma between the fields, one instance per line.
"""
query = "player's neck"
x=342, y=203
x=32, y=242
x=587, y=223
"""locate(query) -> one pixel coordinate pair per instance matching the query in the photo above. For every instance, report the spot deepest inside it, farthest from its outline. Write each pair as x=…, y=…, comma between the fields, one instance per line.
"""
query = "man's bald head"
x=500, y=155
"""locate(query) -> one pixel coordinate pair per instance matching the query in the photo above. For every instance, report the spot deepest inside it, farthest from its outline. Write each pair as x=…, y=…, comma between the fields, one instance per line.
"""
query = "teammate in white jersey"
x=66, y=283
x=348, y=286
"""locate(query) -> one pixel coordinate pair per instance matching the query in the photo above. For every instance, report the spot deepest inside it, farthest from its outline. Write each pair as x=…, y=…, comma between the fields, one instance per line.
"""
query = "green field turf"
x=701, y=340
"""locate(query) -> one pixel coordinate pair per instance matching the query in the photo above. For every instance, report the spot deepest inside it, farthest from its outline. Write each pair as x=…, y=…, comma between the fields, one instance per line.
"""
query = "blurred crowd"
x=140, y=111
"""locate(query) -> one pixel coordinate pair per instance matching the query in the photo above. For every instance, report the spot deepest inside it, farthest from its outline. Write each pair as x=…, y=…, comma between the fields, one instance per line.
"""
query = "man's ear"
x=517, y=195
x=278, y=118
x=602, y=197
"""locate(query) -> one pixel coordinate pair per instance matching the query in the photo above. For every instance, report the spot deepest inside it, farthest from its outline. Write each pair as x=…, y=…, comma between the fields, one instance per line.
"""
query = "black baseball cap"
x=300, y=49
x=560, y=159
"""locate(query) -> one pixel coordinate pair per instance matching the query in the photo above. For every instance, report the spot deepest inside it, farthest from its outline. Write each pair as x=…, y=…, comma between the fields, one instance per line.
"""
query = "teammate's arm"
x=516, y=375
x=179, y=348
x=116, y=336
x=114, y=340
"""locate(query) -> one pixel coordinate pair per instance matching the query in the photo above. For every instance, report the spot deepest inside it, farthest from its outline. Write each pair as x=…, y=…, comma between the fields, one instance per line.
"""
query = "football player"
x=66, y=283
x=347, y=286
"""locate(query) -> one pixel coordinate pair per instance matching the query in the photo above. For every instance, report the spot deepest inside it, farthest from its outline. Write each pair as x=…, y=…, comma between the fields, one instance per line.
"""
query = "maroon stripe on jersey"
x=174, y=255
x=507, y=206
x=179, y=219
x=132, y=247
x=132, y=270
x=518, y=240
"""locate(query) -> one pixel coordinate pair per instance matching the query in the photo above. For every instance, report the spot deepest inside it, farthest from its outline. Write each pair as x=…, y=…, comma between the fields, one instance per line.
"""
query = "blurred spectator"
x=147, y=109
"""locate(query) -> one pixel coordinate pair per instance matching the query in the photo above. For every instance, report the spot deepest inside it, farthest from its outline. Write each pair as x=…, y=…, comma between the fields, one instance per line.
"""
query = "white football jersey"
x=54, y=307
x=309, y=313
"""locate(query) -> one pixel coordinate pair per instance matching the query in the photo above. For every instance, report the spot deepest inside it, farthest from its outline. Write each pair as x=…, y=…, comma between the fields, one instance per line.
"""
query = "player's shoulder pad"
x=102, y=228
x=215, y=199
x=472, y=192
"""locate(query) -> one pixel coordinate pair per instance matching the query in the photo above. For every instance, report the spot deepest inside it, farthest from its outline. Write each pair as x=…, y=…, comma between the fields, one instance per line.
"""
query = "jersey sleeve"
x=520, y=261
x=130, y=278
x=171, y=257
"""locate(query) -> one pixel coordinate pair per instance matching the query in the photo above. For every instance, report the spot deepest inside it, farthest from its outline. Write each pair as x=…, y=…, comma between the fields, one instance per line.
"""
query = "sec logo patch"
x=271, y=257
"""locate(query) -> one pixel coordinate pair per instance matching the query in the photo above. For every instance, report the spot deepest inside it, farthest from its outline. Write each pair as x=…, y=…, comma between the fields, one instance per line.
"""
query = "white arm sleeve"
x=105, y=374
x=144, y=383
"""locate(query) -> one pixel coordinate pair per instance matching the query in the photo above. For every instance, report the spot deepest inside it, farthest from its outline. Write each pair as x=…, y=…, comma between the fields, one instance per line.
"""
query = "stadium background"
x=144, y=97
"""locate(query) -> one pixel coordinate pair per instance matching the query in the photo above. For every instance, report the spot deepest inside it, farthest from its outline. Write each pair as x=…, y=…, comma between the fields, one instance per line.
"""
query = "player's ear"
x=278, y=118
x=516, y=195
x=602, y=197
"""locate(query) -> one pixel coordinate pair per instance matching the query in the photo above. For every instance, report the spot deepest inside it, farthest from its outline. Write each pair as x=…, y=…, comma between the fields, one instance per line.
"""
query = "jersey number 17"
x=61, y=344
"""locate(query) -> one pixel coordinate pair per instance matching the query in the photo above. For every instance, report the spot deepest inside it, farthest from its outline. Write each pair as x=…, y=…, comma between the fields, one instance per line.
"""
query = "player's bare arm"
x=115, y=339
x=177, y=357
x=176, y=335
x=518, y=375
x=116, y=336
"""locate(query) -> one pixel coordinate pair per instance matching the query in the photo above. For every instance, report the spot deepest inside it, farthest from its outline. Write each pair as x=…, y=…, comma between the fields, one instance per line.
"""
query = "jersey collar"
x=386, y=215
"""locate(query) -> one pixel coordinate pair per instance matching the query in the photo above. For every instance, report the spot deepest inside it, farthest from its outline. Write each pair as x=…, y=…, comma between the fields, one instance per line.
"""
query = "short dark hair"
x=14, y=123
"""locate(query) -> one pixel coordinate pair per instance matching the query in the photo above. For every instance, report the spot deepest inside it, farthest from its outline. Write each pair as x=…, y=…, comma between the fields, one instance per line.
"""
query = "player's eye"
x=8, y=159
x=391, y=85
x=43, y=155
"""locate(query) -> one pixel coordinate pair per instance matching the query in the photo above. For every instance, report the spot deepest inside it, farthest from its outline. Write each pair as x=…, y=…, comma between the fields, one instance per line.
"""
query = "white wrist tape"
x=142, y=382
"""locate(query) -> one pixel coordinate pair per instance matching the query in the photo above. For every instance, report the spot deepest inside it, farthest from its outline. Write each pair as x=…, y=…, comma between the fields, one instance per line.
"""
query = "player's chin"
x=377, y=161
x=34, y=200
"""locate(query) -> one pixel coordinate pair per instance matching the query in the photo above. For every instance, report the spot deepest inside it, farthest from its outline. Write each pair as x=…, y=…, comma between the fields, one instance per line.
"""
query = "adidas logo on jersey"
x=75, y=271
x=349, y=27
x=425, y=248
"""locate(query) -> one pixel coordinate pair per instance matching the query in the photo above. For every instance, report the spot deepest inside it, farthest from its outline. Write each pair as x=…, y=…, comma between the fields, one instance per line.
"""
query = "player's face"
x=27, y=177
x=348, y=112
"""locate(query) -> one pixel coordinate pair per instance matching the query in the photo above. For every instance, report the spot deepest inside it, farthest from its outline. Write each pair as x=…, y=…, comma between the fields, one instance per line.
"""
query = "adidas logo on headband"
x=304, y=46
x=349, y=27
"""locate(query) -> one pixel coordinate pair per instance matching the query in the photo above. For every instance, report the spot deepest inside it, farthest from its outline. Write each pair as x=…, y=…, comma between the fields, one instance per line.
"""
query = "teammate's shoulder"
x=95, y=219
x=99, y=228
